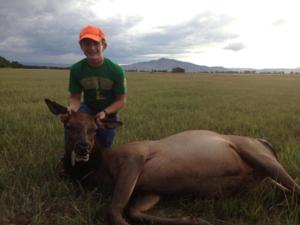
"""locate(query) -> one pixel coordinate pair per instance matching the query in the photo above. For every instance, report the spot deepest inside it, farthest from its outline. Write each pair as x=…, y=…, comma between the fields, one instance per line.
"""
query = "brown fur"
x=197, y=161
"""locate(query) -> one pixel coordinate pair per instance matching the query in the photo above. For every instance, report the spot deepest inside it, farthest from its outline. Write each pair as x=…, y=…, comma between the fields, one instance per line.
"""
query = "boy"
x=101, y=81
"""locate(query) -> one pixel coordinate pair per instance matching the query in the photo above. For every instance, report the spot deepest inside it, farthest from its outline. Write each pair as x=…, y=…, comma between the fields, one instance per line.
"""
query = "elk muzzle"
x=82, y=152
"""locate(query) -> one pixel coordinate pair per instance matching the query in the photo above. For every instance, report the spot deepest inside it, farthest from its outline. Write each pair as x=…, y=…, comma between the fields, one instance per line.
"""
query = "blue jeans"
x=104, y=136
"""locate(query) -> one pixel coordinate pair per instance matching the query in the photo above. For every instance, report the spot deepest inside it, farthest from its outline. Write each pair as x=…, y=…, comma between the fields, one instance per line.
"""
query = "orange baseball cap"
x=92, y=32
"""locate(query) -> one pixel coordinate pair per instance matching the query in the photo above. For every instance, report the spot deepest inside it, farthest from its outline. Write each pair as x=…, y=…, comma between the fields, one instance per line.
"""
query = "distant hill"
x=164, y=64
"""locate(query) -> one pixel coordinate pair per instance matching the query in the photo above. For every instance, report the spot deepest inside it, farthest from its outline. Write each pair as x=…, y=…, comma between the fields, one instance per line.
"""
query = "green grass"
x=31, y=141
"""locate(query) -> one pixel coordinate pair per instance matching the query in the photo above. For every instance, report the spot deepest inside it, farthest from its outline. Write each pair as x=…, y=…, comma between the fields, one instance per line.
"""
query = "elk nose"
x=82, y=148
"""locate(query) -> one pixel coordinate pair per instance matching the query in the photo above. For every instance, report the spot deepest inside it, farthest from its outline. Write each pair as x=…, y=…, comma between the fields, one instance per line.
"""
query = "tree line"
x=4, y=63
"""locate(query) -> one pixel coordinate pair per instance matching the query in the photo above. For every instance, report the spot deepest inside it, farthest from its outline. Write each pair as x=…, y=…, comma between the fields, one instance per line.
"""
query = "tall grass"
x=31, y=141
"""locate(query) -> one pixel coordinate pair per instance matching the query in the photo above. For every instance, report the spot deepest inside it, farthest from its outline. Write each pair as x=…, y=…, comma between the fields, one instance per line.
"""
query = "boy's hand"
x=101, y=115
x=64, y=117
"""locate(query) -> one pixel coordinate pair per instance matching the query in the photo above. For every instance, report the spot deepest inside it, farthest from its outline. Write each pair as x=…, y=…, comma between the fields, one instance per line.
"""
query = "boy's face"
x=92, y=49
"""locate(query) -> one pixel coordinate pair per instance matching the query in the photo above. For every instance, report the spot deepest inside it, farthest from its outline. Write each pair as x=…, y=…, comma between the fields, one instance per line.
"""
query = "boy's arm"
x=74, y=102
x=114, y=107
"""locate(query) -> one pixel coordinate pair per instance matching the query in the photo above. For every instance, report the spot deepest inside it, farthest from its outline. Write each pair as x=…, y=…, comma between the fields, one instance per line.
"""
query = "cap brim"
x=89, y=36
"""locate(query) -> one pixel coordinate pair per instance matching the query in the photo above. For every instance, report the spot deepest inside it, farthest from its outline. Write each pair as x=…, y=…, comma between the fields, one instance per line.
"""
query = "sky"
x=230, y=33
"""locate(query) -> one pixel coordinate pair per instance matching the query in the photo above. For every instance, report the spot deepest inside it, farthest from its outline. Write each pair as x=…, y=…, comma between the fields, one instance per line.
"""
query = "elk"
x=193, y=161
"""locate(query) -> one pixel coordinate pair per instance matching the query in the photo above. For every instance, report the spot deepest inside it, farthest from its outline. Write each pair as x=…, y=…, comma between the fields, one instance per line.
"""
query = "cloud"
x=279, y=22
x=237, y=46
x=41, y=29
x=199, y=32
x=38, y=28
x=45, y=31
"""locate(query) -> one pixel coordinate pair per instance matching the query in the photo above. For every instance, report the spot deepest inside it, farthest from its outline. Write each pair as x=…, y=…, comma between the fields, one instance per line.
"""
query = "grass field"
x=31, y=142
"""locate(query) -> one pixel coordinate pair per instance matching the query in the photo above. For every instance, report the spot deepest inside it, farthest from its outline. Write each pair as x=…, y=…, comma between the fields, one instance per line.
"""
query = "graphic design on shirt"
x=98, y=84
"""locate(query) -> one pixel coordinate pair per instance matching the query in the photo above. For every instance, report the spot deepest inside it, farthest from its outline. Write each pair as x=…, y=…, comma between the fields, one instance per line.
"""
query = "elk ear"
x=56, y=108
x=108, y=124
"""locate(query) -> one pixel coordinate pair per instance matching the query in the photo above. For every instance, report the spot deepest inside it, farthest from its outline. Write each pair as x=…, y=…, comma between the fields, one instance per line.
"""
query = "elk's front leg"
x=129, y=172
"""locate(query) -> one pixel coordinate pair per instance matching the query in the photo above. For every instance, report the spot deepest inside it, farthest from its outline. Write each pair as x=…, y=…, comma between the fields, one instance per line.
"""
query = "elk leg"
x=273, y=169
x=276, y=171
x=270, y=167
x=146, y=202
x=269, y=180
x=125, y=183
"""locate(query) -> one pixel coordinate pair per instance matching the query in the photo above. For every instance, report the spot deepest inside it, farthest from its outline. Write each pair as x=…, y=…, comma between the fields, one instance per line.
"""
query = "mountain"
x=164, y=64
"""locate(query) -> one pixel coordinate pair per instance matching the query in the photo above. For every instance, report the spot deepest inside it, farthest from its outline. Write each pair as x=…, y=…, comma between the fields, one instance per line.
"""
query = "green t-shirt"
x=99, y=85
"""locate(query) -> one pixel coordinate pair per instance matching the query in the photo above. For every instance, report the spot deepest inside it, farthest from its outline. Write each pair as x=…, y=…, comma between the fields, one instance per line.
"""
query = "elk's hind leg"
x=270, y=167
x=276, y=171
x=143, y=203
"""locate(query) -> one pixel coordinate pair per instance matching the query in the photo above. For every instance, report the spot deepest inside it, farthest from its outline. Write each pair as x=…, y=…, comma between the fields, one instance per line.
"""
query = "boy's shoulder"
x=78, y=65
x=113, y=66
